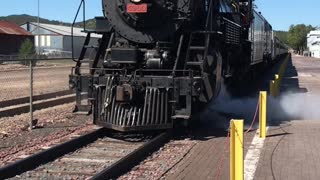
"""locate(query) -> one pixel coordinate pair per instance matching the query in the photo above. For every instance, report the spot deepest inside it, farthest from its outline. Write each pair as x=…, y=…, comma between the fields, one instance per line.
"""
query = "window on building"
x=48, y=41
x=43, y=40
x=36, y=39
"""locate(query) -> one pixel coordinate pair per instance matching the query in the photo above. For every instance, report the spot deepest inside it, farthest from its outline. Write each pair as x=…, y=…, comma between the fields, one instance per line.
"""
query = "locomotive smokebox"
x=143, y=22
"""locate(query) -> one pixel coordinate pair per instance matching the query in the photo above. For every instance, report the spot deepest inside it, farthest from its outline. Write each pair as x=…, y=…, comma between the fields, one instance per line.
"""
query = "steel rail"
x=25, y=108
x=23, y=100
x=126, y=163
x=115, y=170
x=49, y=155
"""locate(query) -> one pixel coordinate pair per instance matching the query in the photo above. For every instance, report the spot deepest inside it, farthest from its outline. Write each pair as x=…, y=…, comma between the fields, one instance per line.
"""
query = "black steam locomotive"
x=160, y=61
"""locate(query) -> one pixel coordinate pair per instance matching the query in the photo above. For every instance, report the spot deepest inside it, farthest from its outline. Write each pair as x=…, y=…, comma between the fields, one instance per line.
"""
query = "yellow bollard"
x=262, y=114
x=236, y=150
x=281, y=72
x=272, y=89
x=283, y=68
x=277, y=84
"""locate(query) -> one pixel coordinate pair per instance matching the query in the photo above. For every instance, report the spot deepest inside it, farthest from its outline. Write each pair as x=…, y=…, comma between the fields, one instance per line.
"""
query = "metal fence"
x=29, y=79
x=4, y=58
x=48, y=76
x=45, y=54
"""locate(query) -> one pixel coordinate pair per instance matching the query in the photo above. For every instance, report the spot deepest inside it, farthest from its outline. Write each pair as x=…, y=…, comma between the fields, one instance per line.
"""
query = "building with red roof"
x=11, y=38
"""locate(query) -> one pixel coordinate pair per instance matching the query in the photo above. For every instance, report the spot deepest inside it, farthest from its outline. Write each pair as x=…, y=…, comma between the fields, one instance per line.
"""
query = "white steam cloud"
x=289, y=106
x=296, y=106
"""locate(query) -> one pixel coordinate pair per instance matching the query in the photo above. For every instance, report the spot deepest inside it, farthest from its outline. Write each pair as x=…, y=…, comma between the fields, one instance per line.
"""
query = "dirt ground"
x=16, y=83
x=54, y=125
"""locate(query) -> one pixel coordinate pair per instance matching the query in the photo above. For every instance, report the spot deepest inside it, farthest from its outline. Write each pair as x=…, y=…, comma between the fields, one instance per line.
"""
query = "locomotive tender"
x=160, y=61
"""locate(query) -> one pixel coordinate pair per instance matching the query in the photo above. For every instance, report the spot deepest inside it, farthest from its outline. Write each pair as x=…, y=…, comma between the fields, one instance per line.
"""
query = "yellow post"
x=277, y=84
x=281, y=72
x=236, y=150
x=262, y=114
x=272, y=89
x=283, y=68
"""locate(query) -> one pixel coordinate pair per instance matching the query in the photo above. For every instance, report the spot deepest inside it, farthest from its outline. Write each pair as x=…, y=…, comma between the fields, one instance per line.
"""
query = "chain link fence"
x=48, y=76
x=24, y=81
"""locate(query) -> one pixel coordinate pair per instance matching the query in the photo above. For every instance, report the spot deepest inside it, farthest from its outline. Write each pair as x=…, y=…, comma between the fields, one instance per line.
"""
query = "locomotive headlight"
x=136, y=1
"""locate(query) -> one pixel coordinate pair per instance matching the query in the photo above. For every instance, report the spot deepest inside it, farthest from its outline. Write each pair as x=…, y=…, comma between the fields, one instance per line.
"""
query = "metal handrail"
x=82, y=4
x=209, y=16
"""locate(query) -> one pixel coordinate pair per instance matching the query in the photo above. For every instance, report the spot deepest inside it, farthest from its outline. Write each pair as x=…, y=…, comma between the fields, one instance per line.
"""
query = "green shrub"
x=27, y=51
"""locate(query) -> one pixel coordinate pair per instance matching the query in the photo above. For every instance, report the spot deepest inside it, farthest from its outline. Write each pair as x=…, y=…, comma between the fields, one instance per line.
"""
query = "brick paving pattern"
x=291, y=150
x=203, y=160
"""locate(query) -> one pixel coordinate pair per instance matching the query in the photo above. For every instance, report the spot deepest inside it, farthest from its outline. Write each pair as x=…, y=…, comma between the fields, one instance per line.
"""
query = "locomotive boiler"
x=159, y=62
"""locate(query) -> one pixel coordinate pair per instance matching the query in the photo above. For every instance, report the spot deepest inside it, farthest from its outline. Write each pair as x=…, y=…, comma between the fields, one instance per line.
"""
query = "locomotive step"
x=199, y=48
x=194, y=63
x=180, y=117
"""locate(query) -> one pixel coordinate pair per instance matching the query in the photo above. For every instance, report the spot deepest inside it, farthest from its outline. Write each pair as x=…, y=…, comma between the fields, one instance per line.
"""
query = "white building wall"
x=315, y=51
x=56, y=38
x=313, y=43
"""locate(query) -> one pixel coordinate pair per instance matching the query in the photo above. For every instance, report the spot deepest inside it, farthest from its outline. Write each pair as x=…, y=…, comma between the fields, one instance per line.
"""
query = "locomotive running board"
x=186, y=117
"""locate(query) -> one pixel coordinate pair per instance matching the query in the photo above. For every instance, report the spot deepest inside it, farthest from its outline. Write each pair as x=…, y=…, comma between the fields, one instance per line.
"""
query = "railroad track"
x=98, y=155
x=21, y=105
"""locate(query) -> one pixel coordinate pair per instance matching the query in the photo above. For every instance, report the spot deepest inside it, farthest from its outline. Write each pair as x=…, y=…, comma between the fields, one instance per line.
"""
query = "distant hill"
x=23, y=18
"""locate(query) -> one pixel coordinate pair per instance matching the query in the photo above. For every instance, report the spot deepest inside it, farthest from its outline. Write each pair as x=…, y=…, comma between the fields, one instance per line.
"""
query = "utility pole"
x=32, y=124
x=38, y=28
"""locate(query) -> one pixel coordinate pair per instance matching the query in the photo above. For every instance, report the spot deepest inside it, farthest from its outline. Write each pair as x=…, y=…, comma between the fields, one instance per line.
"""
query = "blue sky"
x=61, y=10
x=280, y=13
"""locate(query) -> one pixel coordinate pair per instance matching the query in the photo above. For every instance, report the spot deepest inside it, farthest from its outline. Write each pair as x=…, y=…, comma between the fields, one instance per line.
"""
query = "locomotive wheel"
x=212, y=67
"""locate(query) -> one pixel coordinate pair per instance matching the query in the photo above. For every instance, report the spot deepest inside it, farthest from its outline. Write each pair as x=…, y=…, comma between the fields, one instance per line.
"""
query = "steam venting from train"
x=295, y=106
x=227, y=107
x=289, y=106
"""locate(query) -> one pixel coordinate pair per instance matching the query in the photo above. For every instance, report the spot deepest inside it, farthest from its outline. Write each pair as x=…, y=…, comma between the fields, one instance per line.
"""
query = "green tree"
x=297, y=36
x=282, y=35
x=26, y=51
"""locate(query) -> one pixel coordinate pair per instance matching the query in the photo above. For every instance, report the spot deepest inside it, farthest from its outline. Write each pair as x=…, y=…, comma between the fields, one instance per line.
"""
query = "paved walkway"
x=204, y=160
x=291, y=151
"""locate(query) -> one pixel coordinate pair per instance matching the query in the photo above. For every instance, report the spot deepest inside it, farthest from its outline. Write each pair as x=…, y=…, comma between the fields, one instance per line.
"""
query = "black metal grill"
x=232, y=32
x=155, y=112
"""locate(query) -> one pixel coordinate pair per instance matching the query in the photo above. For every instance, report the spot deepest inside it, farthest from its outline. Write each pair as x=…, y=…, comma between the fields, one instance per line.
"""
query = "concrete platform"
x=206, y=159
x=291, y=150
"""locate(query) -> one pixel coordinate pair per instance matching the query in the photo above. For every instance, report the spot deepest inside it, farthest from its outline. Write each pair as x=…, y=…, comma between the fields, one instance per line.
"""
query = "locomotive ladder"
x=81, y=107
x=203, y=48
x=86, y=46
